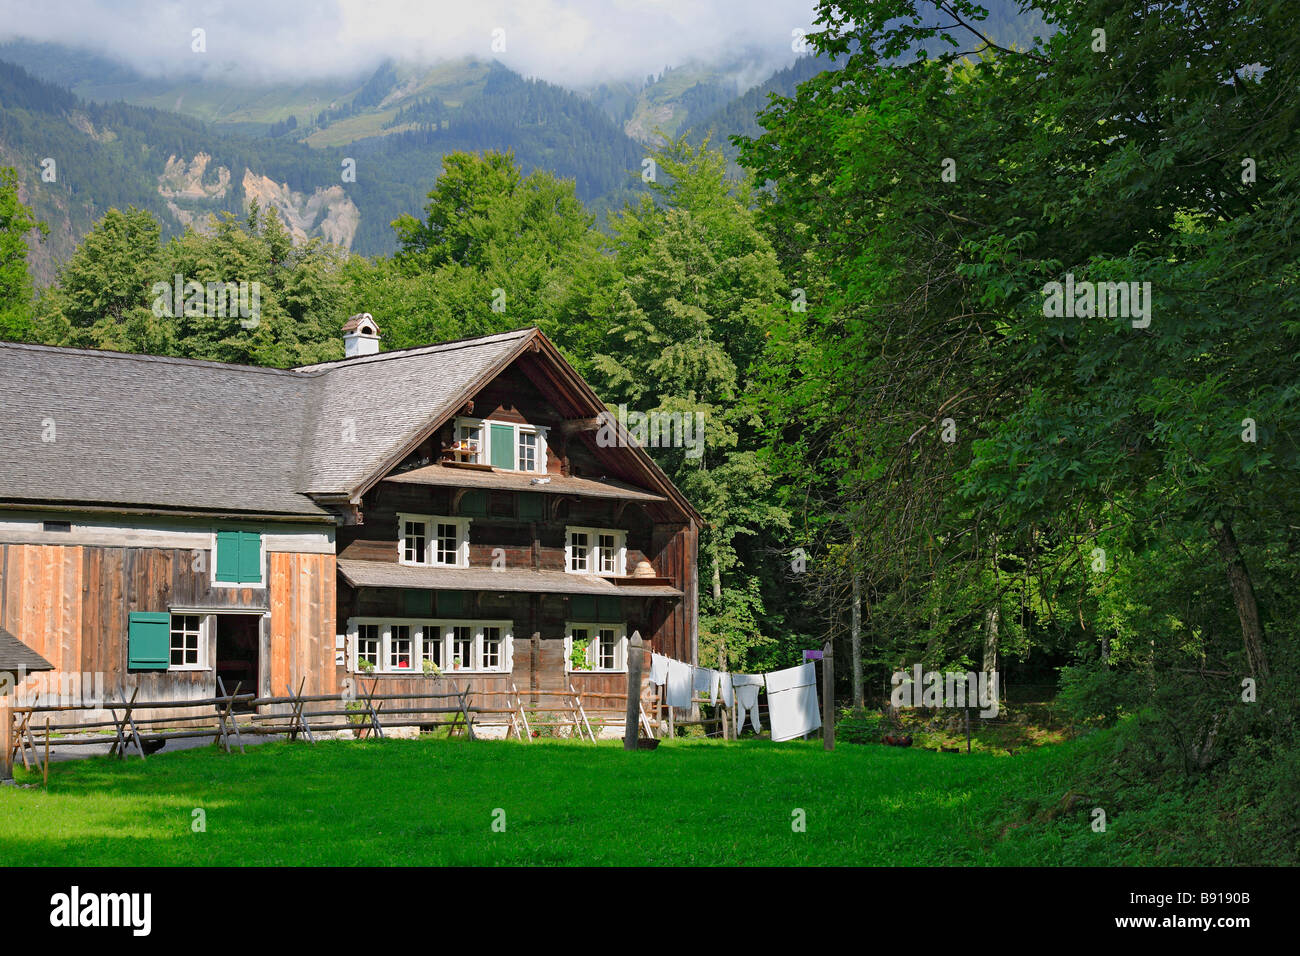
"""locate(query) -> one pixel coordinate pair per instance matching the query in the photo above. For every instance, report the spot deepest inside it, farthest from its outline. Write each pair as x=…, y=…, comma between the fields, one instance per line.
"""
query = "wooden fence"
x=28, y=733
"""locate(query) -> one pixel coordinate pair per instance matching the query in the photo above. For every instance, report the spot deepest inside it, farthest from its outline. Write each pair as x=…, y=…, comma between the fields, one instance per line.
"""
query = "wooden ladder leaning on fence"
x=569, y=704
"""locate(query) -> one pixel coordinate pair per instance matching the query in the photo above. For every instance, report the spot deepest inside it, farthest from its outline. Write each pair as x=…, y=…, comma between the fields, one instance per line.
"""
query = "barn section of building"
x=166, y=521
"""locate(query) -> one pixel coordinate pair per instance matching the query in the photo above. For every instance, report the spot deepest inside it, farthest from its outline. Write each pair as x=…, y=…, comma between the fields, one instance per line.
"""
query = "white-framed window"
x=603, y=647
x=469, y=440
x=525, y=448
x=415, y=541
x=491, y=648
x=601, y=551
x=579, y=552
x=433, y=541
x=368, y=638
x=189, y=643
x=431, y=645
x=401, y=655
x=607, y=552
x=402, y=645
x=526, y=440
x=462, y=648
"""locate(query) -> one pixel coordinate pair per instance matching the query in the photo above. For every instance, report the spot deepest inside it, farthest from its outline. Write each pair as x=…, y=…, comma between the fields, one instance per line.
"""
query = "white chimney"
x=361, y=335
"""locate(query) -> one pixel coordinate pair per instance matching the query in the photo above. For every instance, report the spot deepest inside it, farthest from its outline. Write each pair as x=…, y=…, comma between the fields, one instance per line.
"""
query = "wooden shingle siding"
x=72, y=605
x=302, y=624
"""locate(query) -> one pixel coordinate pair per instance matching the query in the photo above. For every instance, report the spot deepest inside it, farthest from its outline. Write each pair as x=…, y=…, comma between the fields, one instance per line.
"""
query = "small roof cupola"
x=361, y=335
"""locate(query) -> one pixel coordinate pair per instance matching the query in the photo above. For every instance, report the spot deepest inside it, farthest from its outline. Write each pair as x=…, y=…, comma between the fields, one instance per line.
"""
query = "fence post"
x=6, y=741
x=632, y=717
x=828, y=696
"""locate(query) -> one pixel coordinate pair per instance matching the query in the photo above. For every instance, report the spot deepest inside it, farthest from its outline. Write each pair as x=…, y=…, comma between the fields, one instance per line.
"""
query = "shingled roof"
x=364, y=410
x=92, y=428
x=89, y=427
x=16, y=656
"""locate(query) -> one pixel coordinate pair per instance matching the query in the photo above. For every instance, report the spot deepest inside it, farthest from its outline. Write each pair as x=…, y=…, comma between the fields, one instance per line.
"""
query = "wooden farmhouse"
x=166, y=522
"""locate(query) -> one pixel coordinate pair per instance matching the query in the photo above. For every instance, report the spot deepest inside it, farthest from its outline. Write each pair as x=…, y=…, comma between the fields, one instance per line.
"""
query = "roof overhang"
x=386, y=574
x=16, y=656
x=449, y=476
x=224, y=514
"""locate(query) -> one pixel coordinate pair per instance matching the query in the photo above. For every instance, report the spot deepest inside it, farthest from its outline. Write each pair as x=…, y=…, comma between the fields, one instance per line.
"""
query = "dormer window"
x=527, y=450
x=468, y=445
x=509, y=446
x=601, y=551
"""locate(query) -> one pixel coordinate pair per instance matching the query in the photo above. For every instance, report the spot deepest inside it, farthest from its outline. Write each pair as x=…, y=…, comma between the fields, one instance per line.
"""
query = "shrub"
x=858, y=726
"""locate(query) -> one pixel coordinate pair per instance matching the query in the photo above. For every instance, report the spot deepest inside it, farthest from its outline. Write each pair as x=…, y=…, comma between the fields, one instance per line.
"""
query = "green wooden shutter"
x=503, y=446
x=228, y=564
x=149, y=641
x=474, y=503
x=583, y=607
x=530, y=506
x=610, y=608
x=250, y=557
x=451, y=603
x=417, y=603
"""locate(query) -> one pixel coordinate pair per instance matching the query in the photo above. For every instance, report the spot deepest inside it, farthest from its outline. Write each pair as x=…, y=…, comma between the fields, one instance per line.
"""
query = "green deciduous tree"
x=956, y=427
x=16, y=223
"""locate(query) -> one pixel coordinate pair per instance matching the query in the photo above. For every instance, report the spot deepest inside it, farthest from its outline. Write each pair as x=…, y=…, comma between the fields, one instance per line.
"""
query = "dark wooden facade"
x=658, y=532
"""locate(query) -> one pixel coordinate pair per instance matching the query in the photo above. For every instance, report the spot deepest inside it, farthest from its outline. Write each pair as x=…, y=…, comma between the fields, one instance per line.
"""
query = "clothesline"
x=792, y=705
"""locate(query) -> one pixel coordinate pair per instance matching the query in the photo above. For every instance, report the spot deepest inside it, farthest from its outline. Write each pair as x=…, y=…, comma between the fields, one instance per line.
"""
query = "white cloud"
x=574, y=42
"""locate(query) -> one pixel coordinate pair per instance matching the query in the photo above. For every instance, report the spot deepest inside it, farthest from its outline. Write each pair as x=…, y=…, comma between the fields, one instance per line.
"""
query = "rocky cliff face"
x=190, y=188
x=327, y=213
x=181, y=181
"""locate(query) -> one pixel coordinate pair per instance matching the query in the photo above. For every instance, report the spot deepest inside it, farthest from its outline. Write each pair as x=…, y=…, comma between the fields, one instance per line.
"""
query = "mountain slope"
x=403, y=121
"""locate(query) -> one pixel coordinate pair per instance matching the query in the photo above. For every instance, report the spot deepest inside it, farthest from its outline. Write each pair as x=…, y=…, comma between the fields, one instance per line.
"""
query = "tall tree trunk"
x=1243, y=595
x=717, y=578
x=990, y=641
x=855, y=641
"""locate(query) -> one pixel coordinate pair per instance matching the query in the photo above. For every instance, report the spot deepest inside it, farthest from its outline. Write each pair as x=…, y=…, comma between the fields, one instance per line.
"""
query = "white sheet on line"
x=792, y=705
x=677, y=693
x=800, y=675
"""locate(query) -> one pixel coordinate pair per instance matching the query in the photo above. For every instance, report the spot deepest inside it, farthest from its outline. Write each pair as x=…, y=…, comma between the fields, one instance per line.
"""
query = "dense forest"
x=910, y=450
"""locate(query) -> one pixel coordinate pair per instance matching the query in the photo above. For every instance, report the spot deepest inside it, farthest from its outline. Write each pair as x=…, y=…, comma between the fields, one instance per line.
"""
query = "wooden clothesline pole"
x=828, y=696
x=630, y=720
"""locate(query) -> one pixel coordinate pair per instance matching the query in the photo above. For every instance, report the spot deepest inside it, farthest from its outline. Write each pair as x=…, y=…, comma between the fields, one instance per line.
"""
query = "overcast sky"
x=573, y=42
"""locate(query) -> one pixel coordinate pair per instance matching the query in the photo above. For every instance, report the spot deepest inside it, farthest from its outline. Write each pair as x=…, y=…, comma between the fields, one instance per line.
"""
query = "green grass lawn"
x=691, y=802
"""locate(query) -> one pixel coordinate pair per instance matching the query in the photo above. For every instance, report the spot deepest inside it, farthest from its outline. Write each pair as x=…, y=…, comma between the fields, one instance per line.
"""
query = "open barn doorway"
x=239, y=639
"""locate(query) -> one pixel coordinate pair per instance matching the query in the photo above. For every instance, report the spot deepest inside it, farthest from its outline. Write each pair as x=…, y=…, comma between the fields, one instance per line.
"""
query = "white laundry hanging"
x=703, y=680
x=658, y=669
x=746, y=687
x=725, y=692
x=792, y=705
x=678, y=691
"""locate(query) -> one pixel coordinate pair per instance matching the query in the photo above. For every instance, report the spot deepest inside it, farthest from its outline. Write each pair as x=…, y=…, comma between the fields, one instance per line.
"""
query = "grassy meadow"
x=434, y=802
